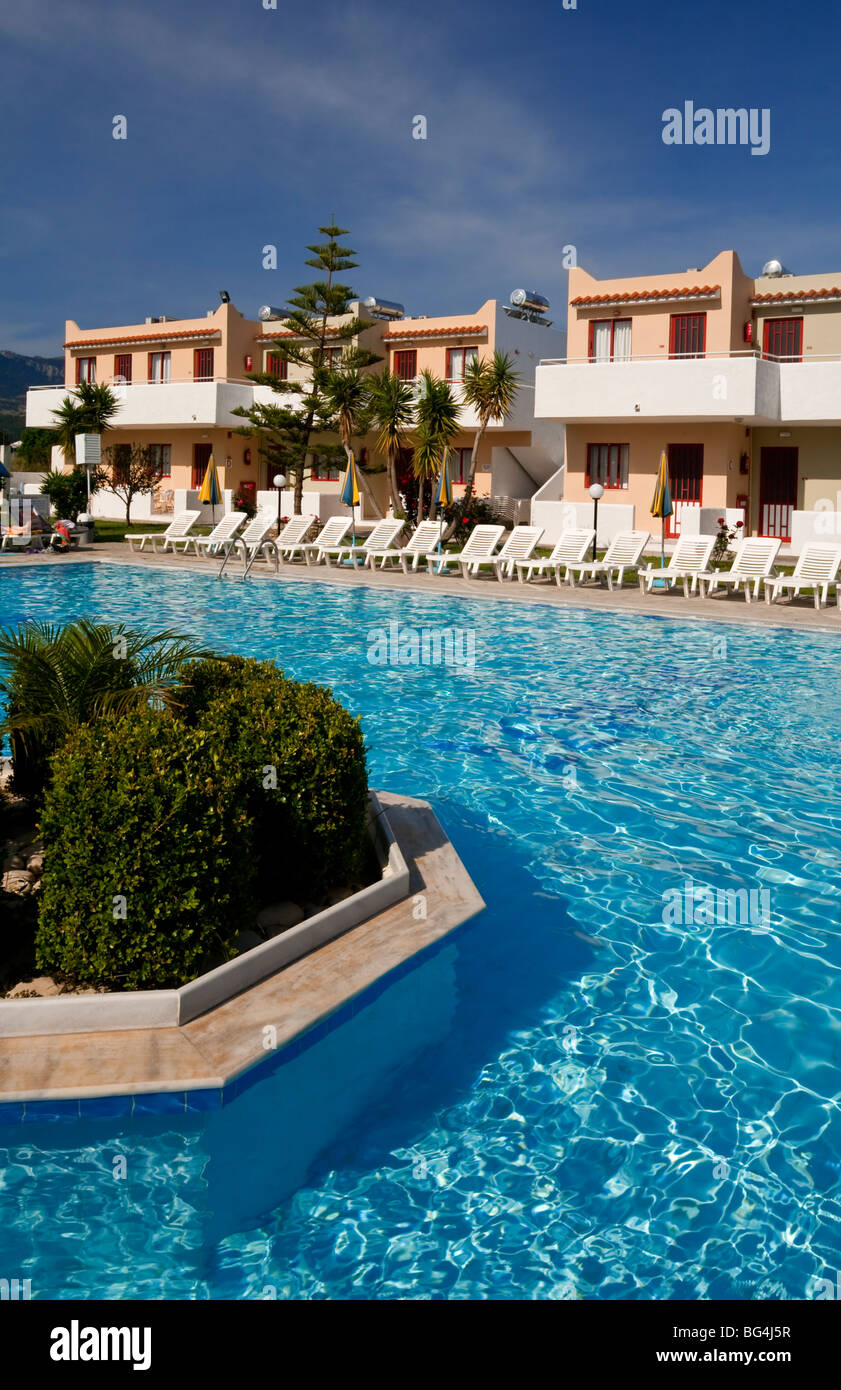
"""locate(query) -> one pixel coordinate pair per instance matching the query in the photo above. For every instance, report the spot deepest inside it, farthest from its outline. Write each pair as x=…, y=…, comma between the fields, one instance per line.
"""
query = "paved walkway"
x=725, y=607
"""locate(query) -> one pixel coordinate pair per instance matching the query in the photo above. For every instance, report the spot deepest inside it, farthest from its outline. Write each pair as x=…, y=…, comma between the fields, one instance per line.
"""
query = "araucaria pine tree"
x=317, y=323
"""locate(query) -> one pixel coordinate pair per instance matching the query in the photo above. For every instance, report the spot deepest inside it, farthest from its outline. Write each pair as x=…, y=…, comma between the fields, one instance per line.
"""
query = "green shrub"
x=142, y=809
x=252, y=789
x=310, y=827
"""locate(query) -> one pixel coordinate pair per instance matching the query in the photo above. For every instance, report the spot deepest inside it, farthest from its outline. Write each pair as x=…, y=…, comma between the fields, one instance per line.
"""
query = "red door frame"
x=203, y=452
x=796, y=356
x=778, y=493
x=686, y=481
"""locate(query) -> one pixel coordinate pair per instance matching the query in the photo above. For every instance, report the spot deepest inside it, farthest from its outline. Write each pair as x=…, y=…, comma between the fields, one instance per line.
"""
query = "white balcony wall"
x=147, y=406
x=810, y=392
x=704, y=388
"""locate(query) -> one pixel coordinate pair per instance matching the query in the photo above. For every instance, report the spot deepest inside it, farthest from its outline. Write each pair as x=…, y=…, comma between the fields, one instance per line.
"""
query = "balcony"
x=715, y=387
x=150, y=405
x=810, y=391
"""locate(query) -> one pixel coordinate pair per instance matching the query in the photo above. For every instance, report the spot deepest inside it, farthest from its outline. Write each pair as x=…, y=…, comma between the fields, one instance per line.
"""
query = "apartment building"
x=736, y=378
x=178, y=381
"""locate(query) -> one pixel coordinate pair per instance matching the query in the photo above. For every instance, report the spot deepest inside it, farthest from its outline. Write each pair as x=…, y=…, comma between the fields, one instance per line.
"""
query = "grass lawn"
x=107, y=529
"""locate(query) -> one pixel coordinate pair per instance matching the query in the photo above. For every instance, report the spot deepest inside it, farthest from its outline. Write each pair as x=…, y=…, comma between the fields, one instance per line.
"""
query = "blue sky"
x=249, y=126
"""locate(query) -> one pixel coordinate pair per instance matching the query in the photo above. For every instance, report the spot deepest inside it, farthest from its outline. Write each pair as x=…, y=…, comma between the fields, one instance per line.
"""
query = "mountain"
x=17, y=373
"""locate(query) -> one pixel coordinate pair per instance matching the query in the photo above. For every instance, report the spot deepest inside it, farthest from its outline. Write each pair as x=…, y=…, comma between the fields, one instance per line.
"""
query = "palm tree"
x=490, y=387
x=437, y=427
x=392, y=413
x=346, y=395
x=56, y=678
x=90, y=410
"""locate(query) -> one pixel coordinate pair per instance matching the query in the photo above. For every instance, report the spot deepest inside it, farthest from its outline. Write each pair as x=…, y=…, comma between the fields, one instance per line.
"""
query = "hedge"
x=137, y=819
x=310, y=827
x=253, y=789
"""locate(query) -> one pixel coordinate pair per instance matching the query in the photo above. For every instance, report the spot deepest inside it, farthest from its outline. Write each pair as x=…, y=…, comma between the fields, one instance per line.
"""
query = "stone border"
x=170, y=1008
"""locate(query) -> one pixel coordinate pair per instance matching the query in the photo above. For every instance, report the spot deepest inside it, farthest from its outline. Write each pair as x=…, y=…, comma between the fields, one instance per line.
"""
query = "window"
x=607, y=464
x=159, y=367
x=457, y=360
x=688, y=335
x=783, y=338
x=277, y=365
x=406, y=364
x=460, y=465
x=122, y=462
x=610, y=340
x=333, y=358
x=85, y=369
x=203, y=364
x=325, y=472
x=160, y=456
x=122, y=367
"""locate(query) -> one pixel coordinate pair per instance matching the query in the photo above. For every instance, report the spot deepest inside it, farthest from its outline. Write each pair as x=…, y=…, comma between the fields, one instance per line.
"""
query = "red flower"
x=721, y=521
x=739, y=523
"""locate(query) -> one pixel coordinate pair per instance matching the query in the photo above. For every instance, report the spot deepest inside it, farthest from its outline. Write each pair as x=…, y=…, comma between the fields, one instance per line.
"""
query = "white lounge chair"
x=688, y=561
x=519, y=546
x=752, y=563
x=425, y=535
x=330, y=537
x=175, y=531
x=290, y=539
x=816, y=569
x=568, y=550
x=378, y=542
x=208, y=545
x=481, y=544
x=252, y=542
x=623, y=553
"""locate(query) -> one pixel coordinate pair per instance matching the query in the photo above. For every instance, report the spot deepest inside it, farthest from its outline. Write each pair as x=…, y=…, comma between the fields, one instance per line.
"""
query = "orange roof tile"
x=794, y=296
x=648, y=296
x=145, y=337
x=472, y=328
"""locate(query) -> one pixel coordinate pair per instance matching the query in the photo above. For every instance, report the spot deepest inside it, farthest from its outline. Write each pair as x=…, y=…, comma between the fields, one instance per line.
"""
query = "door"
x=686, y=477
x=777, y=491
x=201, y=458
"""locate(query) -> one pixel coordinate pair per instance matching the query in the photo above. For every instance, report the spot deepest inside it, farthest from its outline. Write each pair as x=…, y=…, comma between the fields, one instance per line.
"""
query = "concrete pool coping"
x=195, y=1063
x=729, y=607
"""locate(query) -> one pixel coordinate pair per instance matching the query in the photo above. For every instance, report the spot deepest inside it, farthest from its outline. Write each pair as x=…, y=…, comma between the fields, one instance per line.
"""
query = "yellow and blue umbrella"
x=661, y=504
x=350, y=491
x=444, y=495
x=210, y=488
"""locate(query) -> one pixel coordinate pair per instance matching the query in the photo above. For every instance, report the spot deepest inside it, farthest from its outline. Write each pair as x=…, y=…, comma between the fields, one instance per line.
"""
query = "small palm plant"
x=392, y=413
x=54, y=679
x=490, y=387
x=89, y=410
x=437, y=427
x=347, y=398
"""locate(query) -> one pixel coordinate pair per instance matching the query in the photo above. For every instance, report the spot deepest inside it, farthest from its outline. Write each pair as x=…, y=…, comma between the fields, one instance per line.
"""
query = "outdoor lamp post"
x=596, y=491
x=279, y=481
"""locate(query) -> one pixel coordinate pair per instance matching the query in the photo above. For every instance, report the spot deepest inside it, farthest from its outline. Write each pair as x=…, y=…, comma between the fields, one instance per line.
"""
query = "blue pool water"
x=574, y=1098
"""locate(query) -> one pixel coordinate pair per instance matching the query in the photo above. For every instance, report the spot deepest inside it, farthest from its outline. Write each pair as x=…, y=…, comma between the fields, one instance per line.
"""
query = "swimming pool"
x=595, y=1102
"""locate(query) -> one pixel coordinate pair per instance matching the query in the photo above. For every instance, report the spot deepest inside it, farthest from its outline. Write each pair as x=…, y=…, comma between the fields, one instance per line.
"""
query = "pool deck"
x=727, y=607
x=201, y=1064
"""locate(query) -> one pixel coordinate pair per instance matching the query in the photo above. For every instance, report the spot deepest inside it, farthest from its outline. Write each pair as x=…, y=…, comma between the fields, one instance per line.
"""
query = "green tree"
x=55, y=679
x=33, y=453
x=437, y=427
x=131, y=473
x=490, y=387
x=286, y=431
x=393, y=415
x=348, y=400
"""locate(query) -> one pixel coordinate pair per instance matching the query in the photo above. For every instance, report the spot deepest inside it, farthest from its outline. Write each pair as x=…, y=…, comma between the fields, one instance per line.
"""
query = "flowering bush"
x=724, y=538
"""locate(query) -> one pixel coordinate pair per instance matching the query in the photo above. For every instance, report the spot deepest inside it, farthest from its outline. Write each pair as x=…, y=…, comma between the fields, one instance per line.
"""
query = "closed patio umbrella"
x=210, y=488
x=661, y=505
x=443, y=497
x=350, y=491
